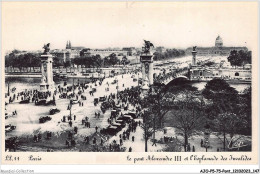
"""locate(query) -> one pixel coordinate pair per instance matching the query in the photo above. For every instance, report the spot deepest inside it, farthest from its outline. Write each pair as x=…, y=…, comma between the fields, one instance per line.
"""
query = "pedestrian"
x=193, y=149
x=70, y=123
x=96, y=128
x=74, y=117
x=217, y=149
x=133, y=138
x=101, y=143
x=94, y=140
x=120, y=136
x=188, y=148
x=67, y=143
x=201, y=143
x=76, y=130
x=130, y=149
x=121, y=142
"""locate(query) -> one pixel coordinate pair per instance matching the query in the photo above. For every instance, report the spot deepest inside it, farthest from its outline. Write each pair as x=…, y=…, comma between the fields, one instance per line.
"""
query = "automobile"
x=134, y=79
x=117, y=106
x=122, y=122
x=8, y=114
x=74, y=101
x=83, y=97
x=113, y=113
x=132, y=114
x=102, y=99
x=133, y=76
x=43, y=119
x=41, y=102
x=54, y=111
x=95, y=101
x=9, y=128
x=51, y=102
x=112, y=130
x=118, y=125
x=121, y=125
x=125, y=117
x=24, y=101
x=94, y=90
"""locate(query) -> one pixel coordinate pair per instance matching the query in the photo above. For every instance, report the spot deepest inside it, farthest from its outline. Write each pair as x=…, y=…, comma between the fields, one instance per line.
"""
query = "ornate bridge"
x=168, y=77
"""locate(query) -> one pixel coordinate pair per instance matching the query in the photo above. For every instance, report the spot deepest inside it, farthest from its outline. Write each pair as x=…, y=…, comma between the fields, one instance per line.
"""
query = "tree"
x=245, y=109
x=125, y=61
x=239, y=58
x=229, y=123
x=221, y=97
x=113, y=59
x=147, y=126
x=188, y=115
x=97, y=61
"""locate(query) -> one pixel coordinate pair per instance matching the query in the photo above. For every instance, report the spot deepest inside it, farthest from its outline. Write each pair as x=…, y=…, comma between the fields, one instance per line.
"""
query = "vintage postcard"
x=129, y=83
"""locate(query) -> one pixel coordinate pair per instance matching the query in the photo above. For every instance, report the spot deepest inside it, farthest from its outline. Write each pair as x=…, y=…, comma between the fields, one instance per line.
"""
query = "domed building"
x=217, y=50
x=218, y=42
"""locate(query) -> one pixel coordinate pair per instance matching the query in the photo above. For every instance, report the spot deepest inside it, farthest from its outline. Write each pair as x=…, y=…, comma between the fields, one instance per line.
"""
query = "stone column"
x=194, y=61
x=150, y=73
x=143, y=72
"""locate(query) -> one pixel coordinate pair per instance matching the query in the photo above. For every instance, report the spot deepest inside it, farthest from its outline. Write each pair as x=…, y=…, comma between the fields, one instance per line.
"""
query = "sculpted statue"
x=44, y=79
x=194, y=48
x=147, y=46
x=46, y=48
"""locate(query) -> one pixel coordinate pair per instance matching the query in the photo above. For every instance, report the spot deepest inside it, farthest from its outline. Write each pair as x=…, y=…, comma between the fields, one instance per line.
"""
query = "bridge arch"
x=178, y=80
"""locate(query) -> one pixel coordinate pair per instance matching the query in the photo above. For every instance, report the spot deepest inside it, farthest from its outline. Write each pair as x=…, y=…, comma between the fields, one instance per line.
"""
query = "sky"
x=28, y=25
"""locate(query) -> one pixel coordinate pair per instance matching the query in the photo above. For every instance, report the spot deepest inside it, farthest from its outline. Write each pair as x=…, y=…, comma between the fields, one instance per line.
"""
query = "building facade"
x=218, y=50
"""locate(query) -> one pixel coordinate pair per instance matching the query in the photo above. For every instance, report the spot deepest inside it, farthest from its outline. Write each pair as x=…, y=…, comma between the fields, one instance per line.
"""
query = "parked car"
x=132, y=114
x=54, y=111
x=43, y=119
x=41, y=102
x=110, y=130
x=24, y=101
x=125, y=117
x=102, y=99
x=95, y=101
x=51, y=102
x=9, y=128
x=75, y=101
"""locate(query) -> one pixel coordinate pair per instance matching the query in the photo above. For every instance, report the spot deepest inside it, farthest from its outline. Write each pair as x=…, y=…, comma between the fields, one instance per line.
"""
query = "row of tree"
x=182, y=106
x=170, y=53
x=240, y=58
x=20, y=59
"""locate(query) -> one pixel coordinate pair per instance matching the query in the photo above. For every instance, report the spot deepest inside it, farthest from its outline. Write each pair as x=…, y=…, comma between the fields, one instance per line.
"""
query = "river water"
x=33, y=83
